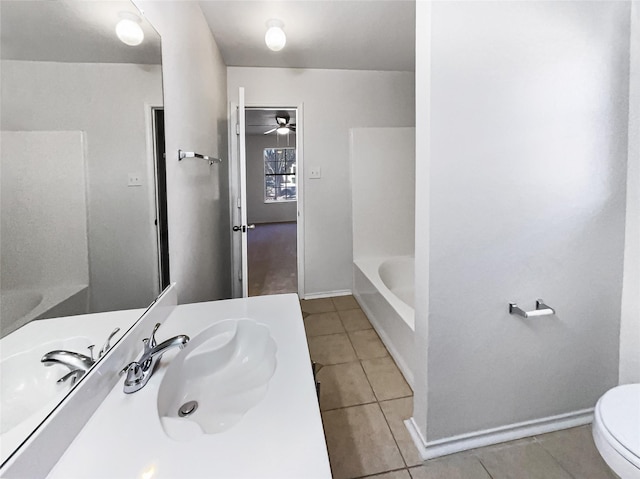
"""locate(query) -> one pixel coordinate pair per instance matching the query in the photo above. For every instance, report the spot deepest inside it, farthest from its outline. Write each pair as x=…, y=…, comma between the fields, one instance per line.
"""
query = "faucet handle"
x=90, y=348
x=146, y=346
x=71, y=376
x=135, y=376
x=106, y=346
x=133, y=370
x=153, y=335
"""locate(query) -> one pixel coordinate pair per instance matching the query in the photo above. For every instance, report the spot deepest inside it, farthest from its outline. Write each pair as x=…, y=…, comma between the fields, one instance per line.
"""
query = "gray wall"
x=108, y=102
x=334, y=101
x=527, y=119
x=195, y=92
x=257, y=210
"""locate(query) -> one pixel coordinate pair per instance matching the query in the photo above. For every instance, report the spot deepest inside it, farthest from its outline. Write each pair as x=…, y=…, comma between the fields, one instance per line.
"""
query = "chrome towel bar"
x=541, y=310
x=192, y=154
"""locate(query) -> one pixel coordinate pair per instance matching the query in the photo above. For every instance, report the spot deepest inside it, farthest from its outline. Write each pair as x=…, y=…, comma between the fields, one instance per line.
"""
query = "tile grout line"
x=482, y=465
x=347, y=407
x=395, y=441
x=359, y=361
x=386, y=472
x=393, y=436
x=377, y=399
x=539, y=443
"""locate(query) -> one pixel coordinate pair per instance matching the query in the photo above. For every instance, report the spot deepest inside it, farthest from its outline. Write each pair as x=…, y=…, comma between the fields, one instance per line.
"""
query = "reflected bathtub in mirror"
x=81, y=113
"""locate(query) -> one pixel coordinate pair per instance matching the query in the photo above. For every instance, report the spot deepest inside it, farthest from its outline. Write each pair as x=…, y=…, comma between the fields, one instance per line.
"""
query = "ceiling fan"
x=284, y=126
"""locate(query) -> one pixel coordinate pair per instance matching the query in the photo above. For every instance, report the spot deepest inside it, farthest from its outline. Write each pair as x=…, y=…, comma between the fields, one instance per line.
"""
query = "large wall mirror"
x=81, y=168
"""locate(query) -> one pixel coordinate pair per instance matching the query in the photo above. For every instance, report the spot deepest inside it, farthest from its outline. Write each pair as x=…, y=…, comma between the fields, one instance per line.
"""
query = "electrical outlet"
x=135, y=179
x=315, y=173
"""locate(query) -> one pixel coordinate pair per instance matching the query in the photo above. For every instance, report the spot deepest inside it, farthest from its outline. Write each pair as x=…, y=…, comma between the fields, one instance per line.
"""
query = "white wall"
x=257, y=210
x=423, y=215
x=195, y=95
x=630, y=320
x=334, y=101
x=109, y=103
x=383, y=165
x=43, y=209
x=528, y=119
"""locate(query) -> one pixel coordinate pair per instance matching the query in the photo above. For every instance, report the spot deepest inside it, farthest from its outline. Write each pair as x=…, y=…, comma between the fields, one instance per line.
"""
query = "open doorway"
x=162, y=227
x=272, y=200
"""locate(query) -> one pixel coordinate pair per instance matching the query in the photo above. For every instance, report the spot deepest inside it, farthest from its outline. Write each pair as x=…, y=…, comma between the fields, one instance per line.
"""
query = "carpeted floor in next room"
x=272, y=259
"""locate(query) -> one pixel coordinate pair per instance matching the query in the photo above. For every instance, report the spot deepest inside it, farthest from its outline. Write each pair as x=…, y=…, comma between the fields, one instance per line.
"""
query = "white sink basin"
x=28, y=386
x=225, y=369
x=258, y=414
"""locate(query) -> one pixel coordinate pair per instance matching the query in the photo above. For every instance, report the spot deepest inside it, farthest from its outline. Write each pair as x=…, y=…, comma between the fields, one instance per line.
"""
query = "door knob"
x=243, y=228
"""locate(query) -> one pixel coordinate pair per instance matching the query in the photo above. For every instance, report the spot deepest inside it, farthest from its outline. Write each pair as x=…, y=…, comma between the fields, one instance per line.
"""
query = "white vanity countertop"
x=281, y=437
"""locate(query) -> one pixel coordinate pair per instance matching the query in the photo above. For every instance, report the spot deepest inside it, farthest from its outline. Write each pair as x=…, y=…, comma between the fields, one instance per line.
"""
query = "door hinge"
x=238, y=202
x=240, y=275
x=237, y=128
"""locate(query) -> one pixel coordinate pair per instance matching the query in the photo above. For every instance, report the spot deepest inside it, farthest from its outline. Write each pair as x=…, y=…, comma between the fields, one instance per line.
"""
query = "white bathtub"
x=21, y=306
x=384, y=287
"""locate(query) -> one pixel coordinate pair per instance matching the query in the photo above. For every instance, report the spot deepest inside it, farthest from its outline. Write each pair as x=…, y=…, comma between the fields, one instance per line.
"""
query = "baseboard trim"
x=488, y=437
x=328, y=294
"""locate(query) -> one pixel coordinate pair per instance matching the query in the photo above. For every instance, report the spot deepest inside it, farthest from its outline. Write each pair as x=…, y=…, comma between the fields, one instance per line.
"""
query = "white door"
x=239, y=225
x=238, y=198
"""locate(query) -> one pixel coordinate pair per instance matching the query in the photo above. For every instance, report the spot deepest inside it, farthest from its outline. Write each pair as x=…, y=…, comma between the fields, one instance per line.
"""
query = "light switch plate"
x=315, y=173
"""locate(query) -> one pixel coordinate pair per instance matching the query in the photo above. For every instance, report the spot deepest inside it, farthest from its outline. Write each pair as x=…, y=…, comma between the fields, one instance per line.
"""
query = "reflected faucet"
x=139, y=372
x=77, y=363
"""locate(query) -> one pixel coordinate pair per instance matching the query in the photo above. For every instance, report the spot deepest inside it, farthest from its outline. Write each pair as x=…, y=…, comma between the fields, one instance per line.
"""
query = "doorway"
x=272, y=200
x=162, y=228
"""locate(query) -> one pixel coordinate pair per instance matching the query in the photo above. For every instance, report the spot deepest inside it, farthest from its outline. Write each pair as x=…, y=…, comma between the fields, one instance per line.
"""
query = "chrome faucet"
x=77, y=363
x=140, y=371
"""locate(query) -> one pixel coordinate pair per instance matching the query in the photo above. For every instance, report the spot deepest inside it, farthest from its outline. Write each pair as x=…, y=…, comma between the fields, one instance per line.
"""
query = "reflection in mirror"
x=82, y=145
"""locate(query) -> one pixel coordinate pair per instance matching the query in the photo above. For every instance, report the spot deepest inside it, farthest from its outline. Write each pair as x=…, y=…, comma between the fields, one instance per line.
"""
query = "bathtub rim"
x=395, y=333
x=369, y=267
x=52, y=296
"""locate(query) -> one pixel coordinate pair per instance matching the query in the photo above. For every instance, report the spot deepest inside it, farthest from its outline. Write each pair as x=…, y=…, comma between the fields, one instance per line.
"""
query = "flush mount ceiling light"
x=129, y=30
x=275, y=37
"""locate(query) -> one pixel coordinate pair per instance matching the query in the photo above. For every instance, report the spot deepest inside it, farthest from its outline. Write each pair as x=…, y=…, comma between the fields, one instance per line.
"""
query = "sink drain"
x=188, y=408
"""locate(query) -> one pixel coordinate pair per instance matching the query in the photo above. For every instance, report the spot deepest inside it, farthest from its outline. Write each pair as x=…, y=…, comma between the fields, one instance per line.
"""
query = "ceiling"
x=334, y=34
x=259, y=120
x=72, y=31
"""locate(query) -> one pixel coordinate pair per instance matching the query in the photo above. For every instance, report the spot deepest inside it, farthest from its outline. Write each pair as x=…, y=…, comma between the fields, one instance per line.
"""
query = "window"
x=280, y=175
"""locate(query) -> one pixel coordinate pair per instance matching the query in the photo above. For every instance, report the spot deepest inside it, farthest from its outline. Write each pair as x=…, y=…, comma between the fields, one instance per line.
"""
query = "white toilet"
x=616, y=430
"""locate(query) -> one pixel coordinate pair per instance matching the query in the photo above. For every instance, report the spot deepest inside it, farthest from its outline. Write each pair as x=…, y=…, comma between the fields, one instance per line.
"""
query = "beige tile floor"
x=364, y=400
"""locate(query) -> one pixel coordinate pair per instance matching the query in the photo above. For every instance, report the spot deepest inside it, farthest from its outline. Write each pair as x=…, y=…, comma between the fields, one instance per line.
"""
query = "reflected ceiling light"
x=275, y=37
x=283, y=130
x=129, y=30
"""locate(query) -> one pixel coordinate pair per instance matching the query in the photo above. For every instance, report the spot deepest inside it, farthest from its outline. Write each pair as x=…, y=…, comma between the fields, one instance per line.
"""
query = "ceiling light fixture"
x=275, y=37
x=129, y=30
x=283, y=130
